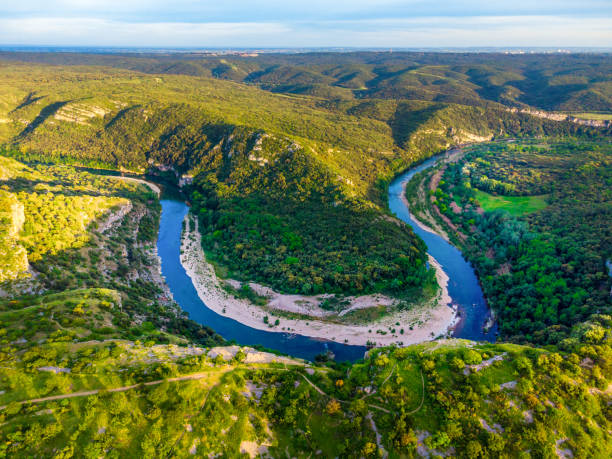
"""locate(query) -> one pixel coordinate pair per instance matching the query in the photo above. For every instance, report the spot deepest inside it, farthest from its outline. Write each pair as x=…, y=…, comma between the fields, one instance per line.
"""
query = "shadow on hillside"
x=27, y=100
x=20, y=184
x=407, y=120
x=45, y=113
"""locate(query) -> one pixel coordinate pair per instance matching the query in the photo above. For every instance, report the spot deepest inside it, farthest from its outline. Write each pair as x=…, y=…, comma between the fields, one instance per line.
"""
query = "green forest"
x=542, y=266
x=287, y=225
x=577, y=82
x=285, y=160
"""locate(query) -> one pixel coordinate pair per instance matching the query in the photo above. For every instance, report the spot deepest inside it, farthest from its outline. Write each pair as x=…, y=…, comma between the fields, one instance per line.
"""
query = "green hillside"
x=60, y=234
x=565, y=82
x=329, y=160
x=286, y=161
x=74, y=396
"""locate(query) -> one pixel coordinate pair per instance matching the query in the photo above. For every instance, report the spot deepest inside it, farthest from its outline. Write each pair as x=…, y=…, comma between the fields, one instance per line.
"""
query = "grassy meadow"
x=514, y=205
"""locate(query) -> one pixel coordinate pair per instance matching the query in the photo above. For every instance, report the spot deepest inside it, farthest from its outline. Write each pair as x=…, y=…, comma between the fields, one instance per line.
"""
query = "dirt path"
x=382, y=449
x=86, y=393
x=389, y=375
x=317, y=388
x=320, y=391
x=152, y=186
x=381, y=384
x=422, y=396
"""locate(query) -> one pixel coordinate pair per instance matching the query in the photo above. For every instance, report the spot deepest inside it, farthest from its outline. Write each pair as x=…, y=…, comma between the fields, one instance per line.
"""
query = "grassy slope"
x=515, y=205
x=593, y=116
x=426, y=397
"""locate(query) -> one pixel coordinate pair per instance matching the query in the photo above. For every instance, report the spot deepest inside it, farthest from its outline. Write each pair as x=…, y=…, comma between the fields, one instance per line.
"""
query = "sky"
x=311, y=23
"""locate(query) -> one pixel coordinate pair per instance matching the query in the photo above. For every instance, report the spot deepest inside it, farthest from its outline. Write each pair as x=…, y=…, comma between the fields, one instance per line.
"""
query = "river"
x=463, y=287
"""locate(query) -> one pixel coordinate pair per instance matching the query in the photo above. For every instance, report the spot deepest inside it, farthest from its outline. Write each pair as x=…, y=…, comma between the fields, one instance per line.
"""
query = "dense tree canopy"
x=546, y=270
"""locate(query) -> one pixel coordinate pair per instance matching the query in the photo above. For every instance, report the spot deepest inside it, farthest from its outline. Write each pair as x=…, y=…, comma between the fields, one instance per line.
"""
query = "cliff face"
x=563, y=117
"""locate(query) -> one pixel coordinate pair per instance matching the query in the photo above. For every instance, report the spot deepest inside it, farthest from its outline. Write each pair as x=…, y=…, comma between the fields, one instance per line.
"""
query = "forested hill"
x=285, y=160
x=128, y=119
x=96, y=360
x=566, y=82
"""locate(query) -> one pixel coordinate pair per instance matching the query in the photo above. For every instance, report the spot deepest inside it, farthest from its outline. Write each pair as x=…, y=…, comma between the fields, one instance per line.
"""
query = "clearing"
x=514, y=205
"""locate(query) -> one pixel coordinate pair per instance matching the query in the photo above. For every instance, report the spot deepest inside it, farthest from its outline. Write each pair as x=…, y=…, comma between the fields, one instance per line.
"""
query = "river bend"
x=463, y=286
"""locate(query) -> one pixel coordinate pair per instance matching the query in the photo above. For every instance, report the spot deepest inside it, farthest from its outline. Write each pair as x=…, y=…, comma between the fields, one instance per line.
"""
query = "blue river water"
x=464, y=288
x=186, y=296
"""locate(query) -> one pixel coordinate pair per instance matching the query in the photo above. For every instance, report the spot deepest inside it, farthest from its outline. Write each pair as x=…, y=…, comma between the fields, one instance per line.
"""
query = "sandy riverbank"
x=427, y=321
x=418, y=222
x=154, y=188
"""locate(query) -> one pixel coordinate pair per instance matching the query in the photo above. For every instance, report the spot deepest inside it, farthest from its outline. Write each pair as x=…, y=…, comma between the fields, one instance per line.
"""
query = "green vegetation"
x=593, y=116
x=133, y=399
x=514, y=205
x=44, y=213
x=289, y=175
x=281, y=180
x=56, y=238
x=288, y=226
x=544, y=270
x=576, y=82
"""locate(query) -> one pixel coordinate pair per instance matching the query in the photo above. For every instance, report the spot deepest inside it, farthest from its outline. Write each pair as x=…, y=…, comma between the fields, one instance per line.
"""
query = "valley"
x=382, y=256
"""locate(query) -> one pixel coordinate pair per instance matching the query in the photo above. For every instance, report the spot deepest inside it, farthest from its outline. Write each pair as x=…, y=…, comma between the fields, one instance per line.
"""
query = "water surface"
x=186, y=296
x=463, y=287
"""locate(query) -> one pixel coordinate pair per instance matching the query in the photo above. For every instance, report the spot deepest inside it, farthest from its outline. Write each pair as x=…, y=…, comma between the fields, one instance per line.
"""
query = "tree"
x=473, y=449
x=333, y=407
x=369, y=449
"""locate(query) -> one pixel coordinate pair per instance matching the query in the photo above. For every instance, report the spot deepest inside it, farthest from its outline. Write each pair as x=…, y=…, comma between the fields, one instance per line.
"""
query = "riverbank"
x=154, y=188
x=422, y=323
x=425, y=220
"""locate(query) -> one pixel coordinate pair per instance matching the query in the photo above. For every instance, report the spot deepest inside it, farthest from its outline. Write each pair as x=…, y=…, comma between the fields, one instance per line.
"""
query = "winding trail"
x=320, y=391
x=382, y=383
x=422, y=396
x=154, y=188
x=382, y=449
x=86, y=393
x=189, y=377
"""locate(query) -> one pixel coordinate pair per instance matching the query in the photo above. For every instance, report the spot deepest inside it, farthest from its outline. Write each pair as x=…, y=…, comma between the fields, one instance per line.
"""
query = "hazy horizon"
x=16, y=47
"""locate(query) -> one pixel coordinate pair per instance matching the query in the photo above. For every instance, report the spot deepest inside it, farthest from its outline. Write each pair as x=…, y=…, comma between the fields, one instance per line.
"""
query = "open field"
x=515, y=205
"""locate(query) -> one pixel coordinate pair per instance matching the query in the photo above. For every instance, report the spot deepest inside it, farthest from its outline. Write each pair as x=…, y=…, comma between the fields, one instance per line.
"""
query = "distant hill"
x=565, y=82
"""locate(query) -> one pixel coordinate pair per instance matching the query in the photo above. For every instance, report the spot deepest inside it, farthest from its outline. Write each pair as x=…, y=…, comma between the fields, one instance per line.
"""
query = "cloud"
x=101, y=32
x=425, y=31
x=294, y=10
x=547, y=31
